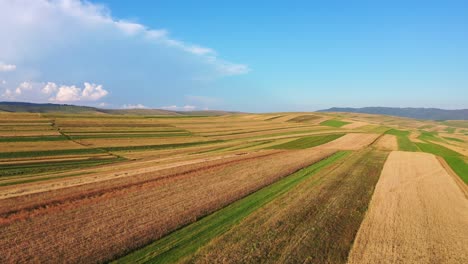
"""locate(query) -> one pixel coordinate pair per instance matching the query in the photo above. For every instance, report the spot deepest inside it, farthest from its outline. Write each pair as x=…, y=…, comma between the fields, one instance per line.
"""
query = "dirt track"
x=418, y=214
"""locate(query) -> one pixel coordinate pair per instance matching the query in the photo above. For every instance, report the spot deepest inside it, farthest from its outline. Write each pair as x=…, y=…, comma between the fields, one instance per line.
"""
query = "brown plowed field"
x=418, y=214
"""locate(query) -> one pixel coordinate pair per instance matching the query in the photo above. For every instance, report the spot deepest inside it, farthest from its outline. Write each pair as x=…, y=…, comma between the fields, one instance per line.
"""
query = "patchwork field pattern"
x=230, y=188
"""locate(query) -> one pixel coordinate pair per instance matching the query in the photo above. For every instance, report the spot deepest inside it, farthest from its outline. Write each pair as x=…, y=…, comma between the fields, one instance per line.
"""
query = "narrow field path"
x=418, y=214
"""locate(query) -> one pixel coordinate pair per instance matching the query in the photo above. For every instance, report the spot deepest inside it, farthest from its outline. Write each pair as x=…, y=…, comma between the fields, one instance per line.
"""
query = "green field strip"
x=24, y=154
x=404, y=143
x=450, y=130
x=454, y=139
x=374, y=129
x=190, y=238
x=59, y=152
x=248, y=132
x=163, y=146
x=307, y=142
x=32, y=138
x=130, y=136
x=334, y=123
x=7, y=171
x=429, y=136
x=115, y=131
x=458, y=123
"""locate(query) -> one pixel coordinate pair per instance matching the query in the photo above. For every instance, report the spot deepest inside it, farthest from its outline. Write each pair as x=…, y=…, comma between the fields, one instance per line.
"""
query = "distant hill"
x=75, y=109
x=418, y=113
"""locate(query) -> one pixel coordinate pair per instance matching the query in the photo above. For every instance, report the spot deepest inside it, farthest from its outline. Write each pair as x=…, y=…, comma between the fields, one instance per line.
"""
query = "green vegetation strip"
x=450, y=130
x=41, y=167
x=164, y=146
x=189, y=239
x=59, y=152
x=23, y=154
x=334, y=123
x=307, y=142
x=454, y=139
x=404, y=143
x=32, y=139
x=131, y=135
x=432, y=136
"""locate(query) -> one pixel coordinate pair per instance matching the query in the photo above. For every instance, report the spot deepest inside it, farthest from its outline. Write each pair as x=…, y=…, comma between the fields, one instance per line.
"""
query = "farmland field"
x=230, y=188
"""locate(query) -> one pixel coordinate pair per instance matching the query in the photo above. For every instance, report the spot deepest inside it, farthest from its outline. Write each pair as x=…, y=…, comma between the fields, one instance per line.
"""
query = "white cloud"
x=133, y=106
x=24, y=86
x=179, y=108
x=7, y=67
x=67, y=94
x=35, y=28
x=49, y=88
x=91, y=92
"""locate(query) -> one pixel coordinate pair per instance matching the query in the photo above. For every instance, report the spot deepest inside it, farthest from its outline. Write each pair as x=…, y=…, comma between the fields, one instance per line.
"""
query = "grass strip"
x=23, y=154
x=307, y=142
x=58, y=152
x=32, y=139
x=404, y=143
x=164, y=146
x=454, y=139
x=425, y=136
x=130, y=135
x=334, y=123
x=9, y=170
x=189, y=239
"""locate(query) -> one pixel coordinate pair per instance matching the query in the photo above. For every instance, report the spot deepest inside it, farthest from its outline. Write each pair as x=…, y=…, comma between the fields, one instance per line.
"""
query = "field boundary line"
x=458, y=180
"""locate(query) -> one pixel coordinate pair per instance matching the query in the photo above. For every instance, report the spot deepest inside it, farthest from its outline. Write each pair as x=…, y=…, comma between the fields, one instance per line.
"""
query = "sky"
x=253, y=56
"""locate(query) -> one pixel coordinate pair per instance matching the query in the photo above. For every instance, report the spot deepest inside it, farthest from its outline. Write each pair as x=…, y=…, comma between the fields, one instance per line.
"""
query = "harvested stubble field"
x=418, y=214
x=207, y=189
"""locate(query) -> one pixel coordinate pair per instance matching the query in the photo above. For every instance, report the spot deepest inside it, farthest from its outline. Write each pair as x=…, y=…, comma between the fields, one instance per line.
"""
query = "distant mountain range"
x=418, y=113
x=75, y=109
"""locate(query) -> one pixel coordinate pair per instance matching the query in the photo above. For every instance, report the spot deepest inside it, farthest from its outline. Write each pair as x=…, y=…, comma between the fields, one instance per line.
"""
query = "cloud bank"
x=72, y=42
x=52, y=92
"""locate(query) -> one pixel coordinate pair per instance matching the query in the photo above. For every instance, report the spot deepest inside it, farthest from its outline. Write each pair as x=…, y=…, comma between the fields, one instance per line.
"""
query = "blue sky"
x=236, y=55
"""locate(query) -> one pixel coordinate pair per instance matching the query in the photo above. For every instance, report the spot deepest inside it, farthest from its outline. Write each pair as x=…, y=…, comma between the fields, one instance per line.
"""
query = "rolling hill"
x=75, y=109
x=418, y=113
